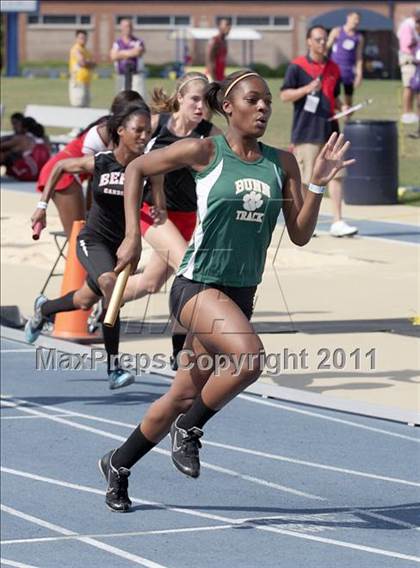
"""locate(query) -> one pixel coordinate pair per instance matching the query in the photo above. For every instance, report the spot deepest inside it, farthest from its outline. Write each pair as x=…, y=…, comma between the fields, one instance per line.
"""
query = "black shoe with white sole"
x=184, y=449
x=173, y=363
x=35, y=324
x=94, y=319
x=116, y=497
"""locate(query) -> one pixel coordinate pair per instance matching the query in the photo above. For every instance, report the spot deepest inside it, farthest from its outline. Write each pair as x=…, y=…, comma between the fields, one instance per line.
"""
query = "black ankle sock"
x=197, y=415
x=112, y=342
x=134, y=448
x=178, y=340
x=62, y=304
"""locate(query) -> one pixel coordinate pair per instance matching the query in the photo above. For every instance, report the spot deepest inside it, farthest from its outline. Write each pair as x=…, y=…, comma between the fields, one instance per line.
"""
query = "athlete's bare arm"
x=71, y=166
x=186, y=153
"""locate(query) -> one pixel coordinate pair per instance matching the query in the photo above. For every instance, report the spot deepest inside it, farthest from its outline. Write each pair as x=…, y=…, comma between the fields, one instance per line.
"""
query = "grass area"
x=16, y=93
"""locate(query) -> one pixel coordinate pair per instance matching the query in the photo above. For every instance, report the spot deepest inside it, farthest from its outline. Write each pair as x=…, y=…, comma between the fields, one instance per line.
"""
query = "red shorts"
x=184, y=221
x=23, y=170
x=65, y=179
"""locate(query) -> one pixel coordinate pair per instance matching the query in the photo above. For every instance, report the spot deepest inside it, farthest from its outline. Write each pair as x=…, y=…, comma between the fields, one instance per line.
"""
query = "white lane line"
x=312, y=464
x=324, y=417
x=87, y=489
x=399, y=508
x=223, y=519
x=118, y=535
x=386, y=518
x=30, y=417
x=243, y=450
x=8, y=403
x=390, y=240
x=343, y=544
x=86, y=539
x=332, y=516
x=37, y=521
x=259, y=400
x=279, y=406
x=7, y=562
x=207, y=465
x=257, y=480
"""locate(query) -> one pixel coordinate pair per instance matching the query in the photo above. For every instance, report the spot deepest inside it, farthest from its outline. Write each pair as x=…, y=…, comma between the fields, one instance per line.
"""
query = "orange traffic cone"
x=73, y=325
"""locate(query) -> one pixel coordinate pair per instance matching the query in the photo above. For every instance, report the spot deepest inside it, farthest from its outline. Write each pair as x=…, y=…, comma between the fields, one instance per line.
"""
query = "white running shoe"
x=342, y=229
x=409, y=118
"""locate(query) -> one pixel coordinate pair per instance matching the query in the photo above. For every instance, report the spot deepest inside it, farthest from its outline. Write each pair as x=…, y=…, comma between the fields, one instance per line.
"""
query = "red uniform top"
x=72, y=150
x=29, y=164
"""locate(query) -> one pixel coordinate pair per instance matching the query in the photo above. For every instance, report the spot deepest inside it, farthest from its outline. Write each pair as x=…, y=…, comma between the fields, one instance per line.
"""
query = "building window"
x=182, y=20
x=157, y=21
x=153, y=21
x=260, y=22
x=252, y=21
x=59, y=20
x=283, y=21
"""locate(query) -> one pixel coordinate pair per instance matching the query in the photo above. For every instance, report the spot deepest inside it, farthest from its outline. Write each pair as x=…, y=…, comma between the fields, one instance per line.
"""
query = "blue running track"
x=281, y=485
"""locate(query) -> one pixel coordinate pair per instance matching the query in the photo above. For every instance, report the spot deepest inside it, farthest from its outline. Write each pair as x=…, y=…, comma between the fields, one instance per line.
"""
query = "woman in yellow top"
x=80, y=68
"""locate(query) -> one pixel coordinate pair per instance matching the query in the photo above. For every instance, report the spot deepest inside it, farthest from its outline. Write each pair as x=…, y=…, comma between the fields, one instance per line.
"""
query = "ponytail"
x=102, y=120
x=213, y=98
x=162, y=102
x=217, y=92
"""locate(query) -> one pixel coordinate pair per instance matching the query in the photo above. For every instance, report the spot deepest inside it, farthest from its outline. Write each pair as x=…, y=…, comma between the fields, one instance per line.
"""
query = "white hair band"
x=198, y=78
x=228, y=90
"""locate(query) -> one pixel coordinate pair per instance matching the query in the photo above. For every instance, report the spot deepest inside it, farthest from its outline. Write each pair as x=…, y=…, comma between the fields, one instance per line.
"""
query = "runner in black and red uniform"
x=68, y=194
x=98, y=241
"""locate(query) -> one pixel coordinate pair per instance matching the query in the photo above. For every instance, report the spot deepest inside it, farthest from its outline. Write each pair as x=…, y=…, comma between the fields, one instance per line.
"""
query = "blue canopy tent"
x=370, y=21
x=381, y=47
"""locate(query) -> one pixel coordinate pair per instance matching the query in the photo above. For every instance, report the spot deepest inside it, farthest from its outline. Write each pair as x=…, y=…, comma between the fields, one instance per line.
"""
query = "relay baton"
x=351, y=110
x=36, y=230
x=116, y=298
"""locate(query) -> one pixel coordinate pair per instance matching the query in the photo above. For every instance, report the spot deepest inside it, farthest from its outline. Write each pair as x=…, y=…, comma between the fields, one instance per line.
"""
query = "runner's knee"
x=106, y=284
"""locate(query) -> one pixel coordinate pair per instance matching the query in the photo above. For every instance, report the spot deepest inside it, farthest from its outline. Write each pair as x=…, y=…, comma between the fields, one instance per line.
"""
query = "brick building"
x=48, y=34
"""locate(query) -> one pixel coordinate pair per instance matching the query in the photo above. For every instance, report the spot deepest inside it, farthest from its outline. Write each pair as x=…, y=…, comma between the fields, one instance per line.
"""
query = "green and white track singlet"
x=238, y=206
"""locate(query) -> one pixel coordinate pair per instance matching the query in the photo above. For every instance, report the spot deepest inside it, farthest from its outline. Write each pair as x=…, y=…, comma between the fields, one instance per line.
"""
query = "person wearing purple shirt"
x=128, y=50
x=408, y=37
x=347, y=51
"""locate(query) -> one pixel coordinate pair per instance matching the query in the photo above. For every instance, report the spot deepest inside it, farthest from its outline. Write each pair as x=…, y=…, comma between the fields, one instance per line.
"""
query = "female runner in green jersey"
x=241, y=186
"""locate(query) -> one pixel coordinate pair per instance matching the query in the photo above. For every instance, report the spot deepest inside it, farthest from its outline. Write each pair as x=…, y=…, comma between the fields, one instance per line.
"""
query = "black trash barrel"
x=373, y=179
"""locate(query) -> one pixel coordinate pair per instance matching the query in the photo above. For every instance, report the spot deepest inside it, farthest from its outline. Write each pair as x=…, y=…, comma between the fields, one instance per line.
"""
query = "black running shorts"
x=184, y=289
x=96, y=258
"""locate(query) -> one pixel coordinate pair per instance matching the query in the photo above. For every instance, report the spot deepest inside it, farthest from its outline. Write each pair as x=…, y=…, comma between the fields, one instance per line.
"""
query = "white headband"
x=228, y=90
x=198, y=78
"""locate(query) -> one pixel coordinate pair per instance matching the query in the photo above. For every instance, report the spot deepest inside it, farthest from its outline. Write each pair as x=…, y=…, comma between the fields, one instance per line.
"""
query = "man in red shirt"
x=216, y=53
x=312, y=84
